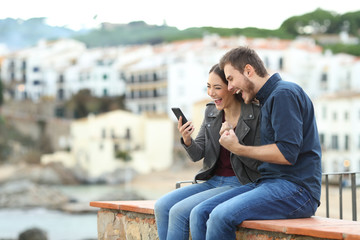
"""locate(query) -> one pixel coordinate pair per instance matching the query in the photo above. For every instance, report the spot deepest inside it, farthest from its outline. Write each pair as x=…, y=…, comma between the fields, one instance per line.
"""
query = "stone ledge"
x=140, y=206
x=305, y=228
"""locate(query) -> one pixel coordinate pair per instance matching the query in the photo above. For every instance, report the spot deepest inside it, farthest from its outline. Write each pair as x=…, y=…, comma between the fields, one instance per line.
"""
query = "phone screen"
x=178, y=113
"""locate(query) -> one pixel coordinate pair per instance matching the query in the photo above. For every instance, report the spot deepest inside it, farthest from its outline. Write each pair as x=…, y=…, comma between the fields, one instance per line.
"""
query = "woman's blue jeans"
x=218, y=217
x=172, y=211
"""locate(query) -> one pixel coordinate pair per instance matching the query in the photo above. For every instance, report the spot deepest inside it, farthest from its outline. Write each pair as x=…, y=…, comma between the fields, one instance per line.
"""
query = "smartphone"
x=178, y=113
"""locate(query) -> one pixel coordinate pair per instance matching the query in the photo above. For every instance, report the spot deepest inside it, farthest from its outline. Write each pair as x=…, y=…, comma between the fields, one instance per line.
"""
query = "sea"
x=57, y=224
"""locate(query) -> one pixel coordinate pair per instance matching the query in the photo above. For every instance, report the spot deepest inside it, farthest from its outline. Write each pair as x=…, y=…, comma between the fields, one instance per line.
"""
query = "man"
x=290, y=151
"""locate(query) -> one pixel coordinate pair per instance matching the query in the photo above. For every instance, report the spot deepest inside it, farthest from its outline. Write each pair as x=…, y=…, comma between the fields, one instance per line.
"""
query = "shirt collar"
x=268, y=87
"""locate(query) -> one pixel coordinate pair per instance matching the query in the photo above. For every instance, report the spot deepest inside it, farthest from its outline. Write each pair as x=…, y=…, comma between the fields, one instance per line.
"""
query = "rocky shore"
x=30, y=186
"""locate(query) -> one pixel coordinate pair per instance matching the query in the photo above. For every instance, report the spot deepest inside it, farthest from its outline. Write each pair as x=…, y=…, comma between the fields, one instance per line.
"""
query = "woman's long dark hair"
x=217, y=70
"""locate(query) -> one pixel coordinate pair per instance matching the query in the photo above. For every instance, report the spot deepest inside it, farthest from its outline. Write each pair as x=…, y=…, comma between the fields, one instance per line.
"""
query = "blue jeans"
x=218, y=217
x=172, y=211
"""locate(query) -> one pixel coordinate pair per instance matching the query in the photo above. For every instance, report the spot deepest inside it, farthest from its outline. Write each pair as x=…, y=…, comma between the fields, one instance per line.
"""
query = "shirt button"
x=250, y=115
x=211, y=114
x=208, y=125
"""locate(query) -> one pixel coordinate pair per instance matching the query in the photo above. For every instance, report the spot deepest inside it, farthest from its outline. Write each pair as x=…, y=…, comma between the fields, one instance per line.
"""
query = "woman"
x=222, y=169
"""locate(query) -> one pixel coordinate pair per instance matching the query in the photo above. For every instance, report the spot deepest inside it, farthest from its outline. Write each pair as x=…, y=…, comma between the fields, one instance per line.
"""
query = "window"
x=122, y=75
x=334, y=142
x=281, y=63
x=113, y=135
x=128, y=134
x=105, y=92
x=116, y=147
x=23, y=65
x=347, y=142
x=36, y=82
x=105, y=76
x=324, y=79
x=346, y=115
x=334, y=116
x=36, y=69
x=60, y=112
x=61, y=78
x=60, y=94
x=324, y=112
x=322, y=139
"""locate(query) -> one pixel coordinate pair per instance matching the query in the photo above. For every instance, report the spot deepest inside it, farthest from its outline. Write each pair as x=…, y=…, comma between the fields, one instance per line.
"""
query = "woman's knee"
x=179, y=210
x=161, y=206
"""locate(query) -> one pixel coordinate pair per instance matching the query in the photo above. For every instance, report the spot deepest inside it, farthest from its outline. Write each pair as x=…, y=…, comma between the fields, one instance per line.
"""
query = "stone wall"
x=118, y=224
x=134, y=220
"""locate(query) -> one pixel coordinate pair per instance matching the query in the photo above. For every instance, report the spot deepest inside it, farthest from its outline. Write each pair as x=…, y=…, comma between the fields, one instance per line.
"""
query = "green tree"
x=351, y=21
x=318, y=21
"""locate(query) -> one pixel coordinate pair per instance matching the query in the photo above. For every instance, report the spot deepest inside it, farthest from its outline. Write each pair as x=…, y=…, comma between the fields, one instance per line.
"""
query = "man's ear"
x=248, y=70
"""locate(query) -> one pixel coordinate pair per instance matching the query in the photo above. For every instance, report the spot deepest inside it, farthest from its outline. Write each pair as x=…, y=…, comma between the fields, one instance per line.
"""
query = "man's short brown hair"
x=241, y=56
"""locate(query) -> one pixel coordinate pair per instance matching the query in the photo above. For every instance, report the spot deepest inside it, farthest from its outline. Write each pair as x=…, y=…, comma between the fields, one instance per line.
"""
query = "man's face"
x=239, y=83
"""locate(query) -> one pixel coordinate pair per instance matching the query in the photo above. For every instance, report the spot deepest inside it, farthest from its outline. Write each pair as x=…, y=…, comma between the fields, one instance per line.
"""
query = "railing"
x=340, y=182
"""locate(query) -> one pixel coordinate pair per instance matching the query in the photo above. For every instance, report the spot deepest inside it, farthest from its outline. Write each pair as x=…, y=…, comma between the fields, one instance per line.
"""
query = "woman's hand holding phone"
x=184, y=126
x=186, y=130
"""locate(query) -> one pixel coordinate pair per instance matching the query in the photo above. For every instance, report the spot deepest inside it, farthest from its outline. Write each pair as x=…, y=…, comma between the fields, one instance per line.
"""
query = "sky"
x=77, y=14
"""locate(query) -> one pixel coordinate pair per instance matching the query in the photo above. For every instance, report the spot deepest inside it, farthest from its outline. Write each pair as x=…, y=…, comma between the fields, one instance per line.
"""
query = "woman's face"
x=218, y=91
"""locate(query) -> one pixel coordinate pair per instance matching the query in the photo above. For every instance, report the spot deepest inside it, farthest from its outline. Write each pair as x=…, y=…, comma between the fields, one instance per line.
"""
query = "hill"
x=17, y=33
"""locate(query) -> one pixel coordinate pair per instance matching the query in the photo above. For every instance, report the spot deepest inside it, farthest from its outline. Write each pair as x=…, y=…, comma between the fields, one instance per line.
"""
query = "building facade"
x=338, y=120
x=119, y=139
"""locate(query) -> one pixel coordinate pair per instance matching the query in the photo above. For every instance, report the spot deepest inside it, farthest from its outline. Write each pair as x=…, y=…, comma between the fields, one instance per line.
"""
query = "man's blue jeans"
x=172, y=211
x=218, y=217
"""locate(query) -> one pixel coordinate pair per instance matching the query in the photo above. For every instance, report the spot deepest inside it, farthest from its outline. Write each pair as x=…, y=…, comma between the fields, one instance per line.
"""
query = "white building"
x=59, y=69
x=175, y=75
x=100, y=142
x=34, y=72
x=156, y=78
x=338, y=120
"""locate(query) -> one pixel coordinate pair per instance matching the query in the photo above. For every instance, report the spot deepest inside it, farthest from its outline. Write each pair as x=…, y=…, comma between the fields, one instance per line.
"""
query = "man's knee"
x=219, y=216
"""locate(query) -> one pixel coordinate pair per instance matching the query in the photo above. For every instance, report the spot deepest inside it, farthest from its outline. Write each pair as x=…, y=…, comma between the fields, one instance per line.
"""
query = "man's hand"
x=225, y=127
x=229, y=140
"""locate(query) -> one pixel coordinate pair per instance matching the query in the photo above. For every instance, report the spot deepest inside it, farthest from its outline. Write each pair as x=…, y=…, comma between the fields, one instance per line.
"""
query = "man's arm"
x=266, y=153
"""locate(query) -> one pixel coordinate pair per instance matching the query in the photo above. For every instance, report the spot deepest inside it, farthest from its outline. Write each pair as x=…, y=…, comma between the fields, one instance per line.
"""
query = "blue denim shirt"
x=288, y=120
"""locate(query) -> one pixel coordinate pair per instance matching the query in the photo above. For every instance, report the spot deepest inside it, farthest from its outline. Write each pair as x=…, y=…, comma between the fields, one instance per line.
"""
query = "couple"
x=261, y=161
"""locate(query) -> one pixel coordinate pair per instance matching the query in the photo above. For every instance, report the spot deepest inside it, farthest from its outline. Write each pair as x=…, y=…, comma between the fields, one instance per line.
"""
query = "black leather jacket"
x=206, y=145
